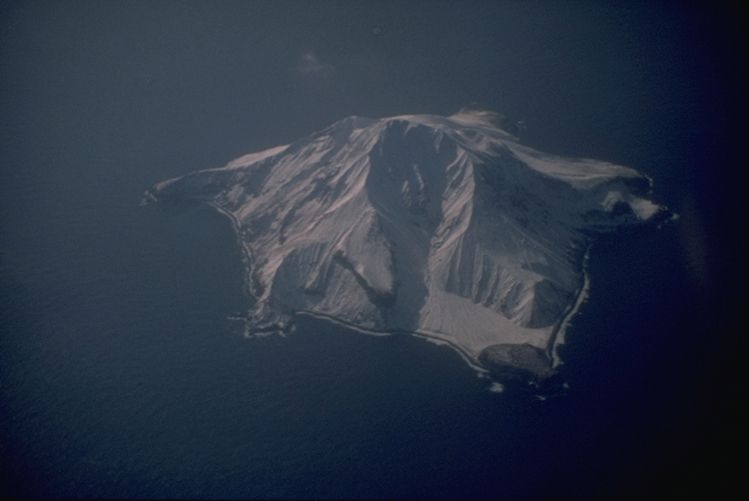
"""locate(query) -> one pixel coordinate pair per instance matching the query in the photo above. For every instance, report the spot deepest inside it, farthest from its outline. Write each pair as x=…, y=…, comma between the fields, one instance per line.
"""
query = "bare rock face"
x=440, y=226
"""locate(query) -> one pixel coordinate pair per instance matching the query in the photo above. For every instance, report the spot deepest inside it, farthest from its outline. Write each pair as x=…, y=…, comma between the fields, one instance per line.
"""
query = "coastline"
x=558, y=335
x=426, y=336
x=246, y=252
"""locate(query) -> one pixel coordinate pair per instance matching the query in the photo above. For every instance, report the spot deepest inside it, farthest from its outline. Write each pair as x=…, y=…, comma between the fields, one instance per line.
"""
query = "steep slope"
x=441, y=226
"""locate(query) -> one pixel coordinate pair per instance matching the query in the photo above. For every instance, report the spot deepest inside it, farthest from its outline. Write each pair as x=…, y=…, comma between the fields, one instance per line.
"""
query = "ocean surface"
x=121, y=374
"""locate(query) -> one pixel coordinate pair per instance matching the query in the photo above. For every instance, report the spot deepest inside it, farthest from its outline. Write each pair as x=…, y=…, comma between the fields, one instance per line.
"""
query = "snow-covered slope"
x=441, y=226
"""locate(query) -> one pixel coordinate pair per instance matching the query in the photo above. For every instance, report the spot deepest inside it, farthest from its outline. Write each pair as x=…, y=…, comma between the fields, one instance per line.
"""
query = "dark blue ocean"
x=120, y=373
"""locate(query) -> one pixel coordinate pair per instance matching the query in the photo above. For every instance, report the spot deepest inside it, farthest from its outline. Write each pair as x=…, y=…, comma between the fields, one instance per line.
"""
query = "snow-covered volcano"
x=445, y=227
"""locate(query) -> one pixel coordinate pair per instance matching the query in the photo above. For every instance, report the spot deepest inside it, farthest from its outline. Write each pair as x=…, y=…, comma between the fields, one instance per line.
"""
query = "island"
x=446, y=228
